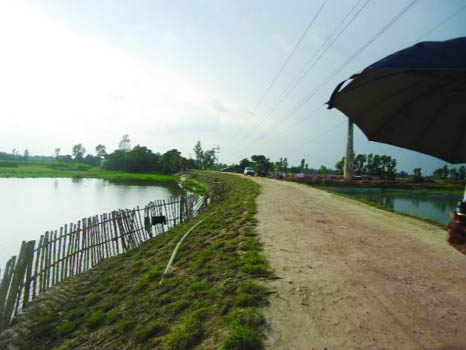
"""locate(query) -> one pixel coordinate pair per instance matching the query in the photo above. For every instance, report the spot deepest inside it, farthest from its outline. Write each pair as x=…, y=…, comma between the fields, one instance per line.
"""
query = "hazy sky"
x=169, y=73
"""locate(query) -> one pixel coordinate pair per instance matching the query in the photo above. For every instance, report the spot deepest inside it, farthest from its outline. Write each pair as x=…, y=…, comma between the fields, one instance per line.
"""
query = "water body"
x=424, y=204
x=29, y=207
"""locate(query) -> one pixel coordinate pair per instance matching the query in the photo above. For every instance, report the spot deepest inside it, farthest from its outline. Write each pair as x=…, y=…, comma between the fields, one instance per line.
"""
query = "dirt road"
x=356, y=277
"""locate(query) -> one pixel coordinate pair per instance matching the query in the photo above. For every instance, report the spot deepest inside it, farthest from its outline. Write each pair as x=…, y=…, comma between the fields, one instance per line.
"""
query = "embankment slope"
x=209, y=300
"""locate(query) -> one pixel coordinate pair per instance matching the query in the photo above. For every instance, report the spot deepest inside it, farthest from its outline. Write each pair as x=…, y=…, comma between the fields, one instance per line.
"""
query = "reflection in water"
x=29, y=207
x=431, y=205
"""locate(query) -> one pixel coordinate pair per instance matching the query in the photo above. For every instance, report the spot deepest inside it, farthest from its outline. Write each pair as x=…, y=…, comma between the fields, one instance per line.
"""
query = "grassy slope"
x=43, y=171
x=210, y=299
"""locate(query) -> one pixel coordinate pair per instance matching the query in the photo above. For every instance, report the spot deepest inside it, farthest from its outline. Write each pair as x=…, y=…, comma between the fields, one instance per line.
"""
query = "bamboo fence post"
x=42, y=264
x=100, y=247
x=69, y=251
x=29, y=262
x=45, y=265
x=49, y=259
x=108, y=228
x=54, y=258
x=82, y=261
x=64, y=261
x=135, y=226
x=88, y=244
x=96, y=241
x=122, y=232
x=143, y=232
x=59, y=258
x=166, y=214
x=15, y=287
x=75, y=270
x=115, y=231
x=91, y=243
x=4, y=287
x=37, y=268
x=181, y=209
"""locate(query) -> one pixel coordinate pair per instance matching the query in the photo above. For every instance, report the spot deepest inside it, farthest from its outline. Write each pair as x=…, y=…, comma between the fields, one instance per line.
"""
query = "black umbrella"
x=414, y=98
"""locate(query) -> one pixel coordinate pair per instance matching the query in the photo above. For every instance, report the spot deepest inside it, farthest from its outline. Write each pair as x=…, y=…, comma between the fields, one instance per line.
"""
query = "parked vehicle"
x=249, y=171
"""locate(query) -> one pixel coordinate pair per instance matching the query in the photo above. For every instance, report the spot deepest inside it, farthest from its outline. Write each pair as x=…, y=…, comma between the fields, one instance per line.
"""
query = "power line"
x=307, y=68
x=454, y=14
x=309, y=64
x=445, y=20
x=348, y=61
x=283, y=65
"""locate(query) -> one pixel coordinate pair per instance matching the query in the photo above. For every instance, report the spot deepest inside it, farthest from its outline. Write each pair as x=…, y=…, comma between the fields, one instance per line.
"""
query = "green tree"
x=57, y=152
x=125, y=143
x=78, y=152
x=340, y=164
x=100, y=151
x=199, y=153
x=208, y=159
x=358, y=164
x=445, y=171
x=262, y=164
x=462, y=173
x=245, y=163
x=26, y=154
x=417, y=172
x=454, y=173
x=323, y=170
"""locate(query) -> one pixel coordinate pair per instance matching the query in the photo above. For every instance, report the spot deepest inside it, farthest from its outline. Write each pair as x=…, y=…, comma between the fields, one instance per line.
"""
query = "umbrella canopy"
x=414, y=98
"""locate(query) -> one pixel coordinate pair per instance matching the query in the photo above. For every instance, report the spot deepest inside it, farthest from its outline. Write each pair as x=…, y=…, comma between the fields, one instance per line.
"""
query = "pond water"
x=29, y=207
x=425, y=204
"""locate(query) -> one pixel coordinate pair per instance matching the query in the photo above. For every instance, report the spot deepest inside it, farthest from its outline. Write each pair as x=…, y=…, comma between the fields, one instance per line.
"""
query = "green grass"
x=211, y=299
x=81, y=171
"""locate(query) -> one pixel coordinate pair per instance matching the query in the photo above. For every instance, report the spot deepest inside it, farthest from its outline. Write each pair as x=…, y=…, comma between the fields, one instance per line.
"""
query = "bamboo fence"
x=77, y=247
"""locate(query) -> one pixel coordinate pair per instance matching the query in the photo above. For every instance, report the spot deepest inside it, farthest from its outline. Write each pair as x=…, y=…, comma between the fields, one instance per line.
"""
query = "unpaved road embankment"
x=356, y=277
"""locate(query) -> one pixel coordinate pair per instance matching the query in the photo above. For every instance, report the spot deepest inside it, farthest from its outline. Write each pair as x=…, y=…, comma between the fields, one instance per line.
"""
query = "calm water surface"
x=425, y=204
x=29, y=207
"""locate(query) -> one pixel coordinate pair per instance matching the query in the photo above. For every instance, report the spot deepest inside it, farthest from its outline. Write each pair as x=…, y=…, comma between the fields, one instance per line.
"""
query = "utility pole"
x=348, y=169
x=216, y=150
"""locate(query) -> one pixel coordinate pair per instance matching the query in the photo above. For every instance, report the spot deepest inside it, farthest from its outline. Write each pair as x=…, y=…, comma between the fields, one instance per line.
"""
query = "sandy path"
x=356, y=277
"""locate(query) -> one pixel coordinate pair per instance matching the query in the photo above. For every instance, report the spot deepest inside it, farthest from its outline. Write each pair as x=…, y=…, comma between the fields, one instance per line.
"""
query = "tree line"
x=125, y=158
x=458, y=174
x=382, y=166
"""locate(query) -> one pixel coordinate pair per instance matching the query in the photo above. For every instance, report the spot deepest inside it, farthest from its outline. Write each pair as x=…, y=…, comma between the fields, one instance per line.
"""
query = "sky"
x=170, y=73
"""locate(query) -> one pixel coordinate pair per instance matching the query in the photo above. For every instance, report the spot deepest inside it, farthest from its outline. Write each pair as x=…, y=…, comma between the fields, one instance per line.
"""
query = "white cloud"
x=60, y=88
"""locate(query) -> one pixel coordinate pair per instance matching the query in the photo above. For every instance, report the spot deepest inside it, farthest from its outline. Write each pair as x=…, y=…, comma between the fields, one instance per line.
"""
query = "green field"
x=50, y=169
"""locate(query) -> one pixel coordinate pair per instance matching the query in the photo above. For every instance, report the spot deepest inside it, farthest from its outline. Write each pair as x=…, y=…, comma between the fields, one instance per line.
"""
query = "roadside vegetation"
x=211, y=298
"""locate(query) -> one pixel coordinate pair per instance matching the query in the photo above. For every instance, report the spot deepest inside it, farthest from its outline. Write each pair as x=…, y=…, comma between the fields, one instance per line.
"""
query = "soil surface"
x=355, y=277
